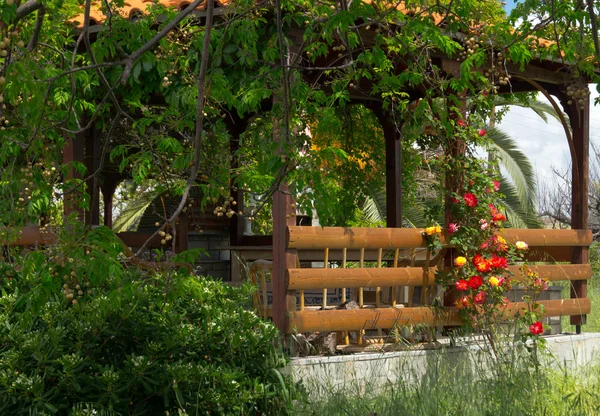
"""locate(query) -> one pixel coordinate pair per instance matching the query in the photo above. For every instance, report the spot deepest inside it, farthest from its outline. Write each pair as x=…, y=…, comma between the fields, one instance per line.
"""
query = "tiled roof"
x=132, y=7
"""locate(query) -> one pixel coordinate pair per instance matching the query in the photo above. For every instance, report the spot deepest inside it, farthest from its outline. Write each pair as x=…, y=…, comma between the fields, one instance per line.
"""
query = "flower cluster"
x=480, y=276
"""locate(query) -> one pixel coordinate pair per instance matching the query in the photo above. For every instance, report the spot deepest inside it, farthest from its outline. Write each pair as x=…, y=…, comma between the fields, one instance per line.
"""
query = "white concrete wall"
x=321, y=375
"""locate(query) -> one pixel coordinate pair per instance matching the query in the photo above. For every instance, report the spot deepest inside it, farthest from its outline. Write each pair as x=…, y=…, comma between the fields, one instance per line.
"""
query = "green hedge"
x=132, y=343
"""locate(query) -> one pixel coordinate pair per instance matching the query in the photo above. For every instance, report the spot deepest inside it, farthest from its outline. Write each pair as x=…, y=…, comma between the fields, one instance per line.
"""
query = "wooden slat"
x=385, y=318
x=410, y=276
x=392, y=238
x=339, y=237
x=29, y=235
x=548, y=238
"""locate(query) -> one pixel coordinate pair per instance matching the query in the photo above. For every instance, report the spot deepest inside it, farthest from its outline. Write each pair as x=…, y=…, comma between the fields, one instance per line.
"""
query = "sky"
x=545, y=143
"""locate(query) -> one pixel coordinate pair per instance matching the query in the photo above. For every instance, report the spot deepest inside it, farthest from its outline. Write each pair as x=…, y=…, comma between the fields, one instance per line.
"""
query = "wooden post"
x=108, y=191
x=236, y=127
x=579, y=117
x=181, y=243
x=284, y=215
x=393, y=166
x=72, y=152
x=92, y=163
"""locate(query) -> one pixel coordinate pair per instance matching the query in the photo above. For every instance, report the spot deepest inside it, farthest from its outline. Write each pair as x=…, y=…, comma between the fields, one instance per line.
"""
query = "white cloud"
x=545, y=143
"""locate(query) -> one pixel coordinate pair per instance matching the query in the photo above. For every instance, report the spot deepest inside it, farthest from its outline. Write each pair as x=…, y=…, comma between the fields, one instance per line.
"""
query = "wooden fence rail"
x=388, y=271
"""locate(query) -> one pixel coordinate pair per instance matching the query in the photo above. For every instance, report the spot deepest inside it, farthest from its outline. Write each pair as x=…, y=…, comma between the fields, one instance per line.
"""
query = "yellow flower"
x=501, y=240
x=438, y=229
x=430, y=230
x=460, y=261
x=521, y=245
x=494, y=281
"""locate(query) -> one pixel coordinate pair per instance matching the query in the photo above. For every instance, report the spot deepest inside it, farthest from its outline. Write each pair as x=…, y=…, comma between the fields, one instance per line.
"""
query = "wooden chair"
x=260, y=275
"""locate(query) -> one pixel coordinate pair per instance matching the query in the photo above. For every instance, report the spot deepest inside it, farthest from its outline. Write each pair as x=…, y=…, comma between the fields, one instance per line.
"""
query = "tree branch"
x=26, y=9
x=130, y=60
x=39, y=22
x=201, y=81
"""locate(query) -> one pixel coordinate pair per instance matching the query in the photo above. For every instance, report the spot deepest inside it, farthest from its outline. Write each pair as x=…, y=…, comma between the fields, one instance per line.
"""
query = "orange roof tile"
x=131, y=7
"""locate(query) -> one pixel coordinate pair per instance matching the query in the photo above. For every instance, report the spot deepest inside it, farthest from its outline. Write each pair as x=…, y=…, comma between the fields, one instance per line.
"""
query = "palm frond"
x=518, y=216
x=129, y=218
x=374, y=206
x=375, y=209
x=517, y=165
x=541, y=108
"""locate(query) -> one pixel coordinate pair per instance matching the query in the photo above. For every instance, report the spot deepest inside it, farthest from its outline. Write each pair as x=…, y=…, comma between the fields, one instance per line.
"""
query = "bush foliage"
x=117, y=340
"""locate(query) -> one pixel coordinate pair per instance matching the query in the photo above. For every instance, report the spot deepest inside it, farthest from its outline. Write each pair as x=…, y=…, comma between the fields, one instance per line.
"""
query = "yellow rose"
x=521, y=245
x=494, y=281
x=501, y=240
x=438, y=229
x=430, y=230
x=460, y=261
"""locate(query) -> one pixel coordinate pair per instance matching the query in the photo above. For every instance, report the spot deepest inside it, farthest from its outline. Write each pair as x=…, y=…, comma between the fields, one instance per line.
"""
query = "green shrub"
x=78, y=331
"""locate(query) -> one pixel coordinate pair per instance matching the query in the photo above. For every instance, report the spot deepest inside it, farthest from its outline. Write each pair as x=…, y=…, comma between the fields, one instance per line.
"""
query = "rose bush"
x=481, y=256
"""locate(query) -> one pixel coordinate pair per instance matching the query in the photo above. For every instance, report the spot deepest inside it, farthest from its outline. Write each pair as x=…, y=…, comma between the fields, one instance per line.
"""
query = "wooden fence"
x=394, y=262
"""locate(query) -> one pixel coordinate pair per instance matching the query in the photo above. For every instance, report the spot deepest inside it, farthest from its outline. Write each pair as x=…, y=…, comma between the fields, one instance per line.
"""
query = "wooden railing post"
x=579, y=117
x=284, y=215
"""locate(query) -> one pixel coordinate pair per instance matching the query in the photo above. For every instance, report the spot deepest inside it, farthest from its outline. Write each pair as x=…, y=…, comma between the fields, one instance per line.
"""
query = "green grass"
x=490, y=388
x=496, y=389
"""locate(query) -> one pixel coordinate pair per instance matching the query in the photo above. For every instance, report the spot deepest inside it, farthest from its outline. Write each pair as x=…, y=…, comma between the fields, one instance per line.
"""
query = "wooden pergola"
x=289, y=242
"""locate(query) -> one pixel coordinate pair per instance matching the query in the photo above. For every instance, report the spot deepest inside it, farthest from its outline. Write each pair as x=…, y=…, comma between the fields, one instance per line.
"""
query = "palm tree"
x=519, y=188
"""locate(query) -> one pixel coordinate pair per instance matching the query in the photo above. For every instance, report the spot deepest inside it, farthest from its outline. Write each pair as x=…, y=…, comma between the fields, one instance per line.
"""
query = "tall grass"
x=477, y=387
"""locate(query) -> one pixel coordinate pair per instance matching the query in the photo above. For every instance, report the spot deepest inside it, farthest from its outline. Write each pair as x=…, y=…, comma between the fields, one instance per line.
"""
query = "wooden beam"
x=299, y=279
x=392, y=238
x=386, y=318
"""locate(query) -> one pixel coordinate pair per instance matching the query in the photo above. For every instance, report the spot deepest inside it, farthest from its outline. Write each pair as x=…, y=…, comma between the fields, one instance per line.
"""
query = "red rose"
x=455, y=200
x=461, y=123
x=482, y=265
x=498, y=262
x=479, y=298
x=475, y=282
x=462, y=285
x=482, y=132
x=498, y=216
x=462, y=302
x=470, y=200
x=537, y=328
x=496, y=186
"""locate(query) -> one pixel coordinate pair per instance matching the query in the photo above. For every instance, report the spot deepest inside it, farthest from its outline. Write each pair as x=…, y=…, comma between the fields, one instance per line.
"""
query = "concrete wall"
x=355, y=372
